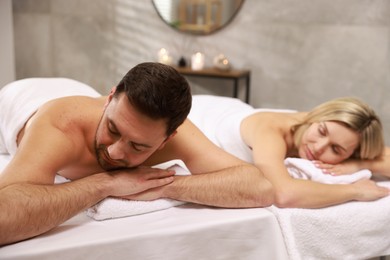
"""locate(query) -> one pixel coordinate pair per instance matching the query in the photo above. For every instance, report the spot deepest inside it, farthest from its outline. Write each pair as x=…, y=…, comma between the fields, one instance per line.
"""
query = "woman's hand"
x=368, y=190
x=343, y=168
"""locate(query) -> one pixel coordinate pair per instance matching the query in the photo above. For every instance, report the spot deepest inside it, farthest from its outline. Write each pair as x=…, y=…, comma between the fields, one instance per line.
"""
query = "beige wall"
x=7, y=60
x=301, y=52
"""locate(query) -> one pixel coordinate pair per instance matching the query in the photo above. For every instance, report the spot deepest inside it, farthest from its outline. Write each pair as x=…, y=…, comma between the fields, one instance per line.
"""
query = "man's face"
x=125, y=138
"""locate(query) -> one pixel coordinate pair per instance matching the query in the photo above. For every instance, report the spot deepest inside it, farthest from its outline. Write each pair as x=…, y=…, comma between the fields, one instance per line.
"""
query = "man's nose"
x=116, y=151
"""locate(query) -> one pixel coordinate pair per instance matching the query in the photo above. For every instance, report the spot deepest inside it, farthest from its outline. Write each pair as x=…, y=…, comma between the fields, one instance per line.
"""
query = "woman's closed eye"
x=322, y=129
x=336, y=149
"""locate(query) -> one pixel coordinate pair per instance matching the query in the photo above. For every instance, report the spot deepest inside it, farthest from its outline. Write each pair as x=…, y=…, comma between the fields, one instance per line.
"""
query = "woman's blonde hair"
x=354, y=114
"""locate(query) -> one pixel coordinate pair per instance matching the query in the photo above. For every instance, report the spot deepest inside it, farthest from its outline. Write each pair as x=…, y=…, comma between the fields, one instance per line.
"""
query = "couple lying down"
x=57, y=125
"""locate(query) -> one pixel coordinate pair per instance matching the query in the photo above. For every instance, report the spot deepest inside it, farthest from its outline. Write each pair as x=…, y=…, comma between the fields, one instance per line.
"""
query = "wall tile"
x=300, y=52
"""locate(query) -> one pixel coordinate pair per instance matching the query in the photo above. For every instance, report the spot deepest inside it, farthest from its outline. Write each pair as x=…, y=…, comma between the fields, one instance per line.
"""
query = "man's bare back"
x=78, y=125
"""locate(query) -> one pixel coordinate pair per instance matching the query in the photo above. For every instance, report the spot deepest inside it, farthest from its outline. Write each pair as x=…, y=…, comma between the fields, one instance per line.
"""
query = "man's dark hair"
x=159, y=92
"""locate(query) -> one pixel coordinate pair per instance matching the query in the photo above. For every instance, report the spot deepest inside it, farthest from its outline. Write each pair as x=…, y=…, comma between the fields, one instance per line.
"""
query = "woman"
x=341, y=130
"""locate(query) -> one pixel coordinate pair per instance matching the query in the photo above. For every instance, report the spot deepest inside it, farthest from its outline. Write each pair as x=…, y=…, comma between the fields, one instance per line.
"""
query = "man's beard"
x=103, y=157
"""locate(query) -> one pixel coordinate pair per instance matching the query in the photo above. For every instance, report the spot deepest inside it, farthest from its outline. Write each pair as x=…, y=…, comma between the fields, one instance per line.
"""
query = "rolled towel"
x=304, y=169
x=110, y=208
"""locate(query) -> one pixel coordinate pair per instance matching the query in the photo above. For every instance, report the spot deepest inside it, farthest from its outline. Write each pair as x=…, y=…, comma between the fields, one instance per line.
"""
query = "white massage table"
x=197, y=232
x=349, y=231
x=184, y=232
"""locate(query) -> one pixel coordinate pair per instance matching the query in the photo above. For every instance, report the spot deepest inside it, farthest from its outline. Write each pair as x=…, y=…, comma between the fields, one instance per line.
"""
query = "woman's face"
x=329, y=142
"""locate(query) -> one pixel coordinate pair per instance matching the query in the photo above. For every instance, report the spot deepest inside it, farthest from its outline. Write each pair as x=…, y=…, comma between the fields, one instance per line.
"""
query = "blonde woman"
x=341, y=130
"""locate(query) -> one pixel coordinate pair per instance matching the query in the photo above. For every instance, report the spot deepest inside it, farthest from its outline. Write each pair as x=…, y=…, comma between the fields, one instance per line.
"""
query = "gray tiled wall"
x=301, y=52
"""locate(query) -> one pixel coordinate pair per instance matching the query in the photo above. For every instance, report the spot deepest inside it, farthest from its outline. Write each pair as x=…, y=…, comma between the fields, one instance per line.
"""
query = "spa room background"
x=300, y=52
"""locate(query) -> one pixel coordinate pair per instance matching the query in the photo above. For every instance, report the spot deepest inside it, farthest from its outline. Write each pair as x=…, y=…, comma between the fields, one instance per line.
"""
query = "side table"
x=232, y=74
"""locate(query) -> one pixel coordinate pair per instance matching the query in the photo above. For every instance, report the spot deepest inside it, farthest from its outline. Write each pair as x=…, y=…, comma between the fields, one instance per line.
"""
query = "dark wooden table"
x=232, y=74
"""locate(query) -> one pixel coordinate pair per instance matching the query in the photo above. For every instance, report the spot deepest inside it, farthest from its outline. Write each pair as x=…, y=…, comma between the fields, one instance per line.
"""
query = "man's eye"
x=112, y=131
x=137, y=149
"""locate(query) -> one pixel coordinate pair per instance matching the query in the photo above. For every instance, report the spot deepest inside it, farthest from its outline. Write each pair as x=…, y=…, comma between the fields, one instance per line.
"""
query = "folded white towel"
x=305, y=169
x=110, y=208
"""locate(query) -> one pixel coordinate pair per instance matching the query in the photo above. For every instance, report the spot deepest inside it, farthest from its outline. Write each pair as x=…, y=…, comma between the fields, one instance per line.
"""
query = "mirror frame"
x=199, y=33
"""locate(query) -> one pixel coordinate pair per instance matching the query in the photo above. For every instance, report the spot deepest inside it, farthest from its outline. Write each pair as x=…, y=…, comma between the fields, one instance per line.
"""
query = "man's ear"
x=166, y=140
x=109, y=97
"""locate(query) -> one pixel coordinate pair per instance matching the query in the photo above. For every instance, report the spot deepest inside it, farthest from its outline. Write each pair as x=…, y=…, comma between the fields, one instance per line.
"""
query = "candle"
x=163, y=57
x=197, y=61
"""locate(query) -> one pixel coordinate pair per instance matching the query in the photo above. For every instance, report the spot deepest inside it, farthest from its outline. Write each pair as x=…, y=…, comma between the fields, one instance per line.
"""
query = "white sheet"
x=309, y=234
x=186, y=232
x=350, y=231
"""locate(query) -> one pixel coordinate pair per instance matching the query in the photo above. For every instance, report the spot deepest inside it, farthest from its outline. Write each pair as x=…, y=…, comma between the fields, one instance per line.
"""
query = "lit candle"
x=197, y=61
x=163, y=57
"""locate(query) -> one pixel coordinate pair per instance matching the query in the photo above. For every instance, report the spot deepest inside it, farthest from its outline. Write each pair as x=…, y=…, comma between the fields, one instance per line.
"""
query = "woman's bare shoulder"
x=273, y=119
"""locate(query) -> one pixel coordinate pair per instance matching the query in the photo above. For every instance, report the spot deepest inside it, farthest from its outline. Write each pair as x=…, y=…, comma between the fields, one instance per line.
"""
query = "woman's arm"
x=380, y=167
x=269, y=141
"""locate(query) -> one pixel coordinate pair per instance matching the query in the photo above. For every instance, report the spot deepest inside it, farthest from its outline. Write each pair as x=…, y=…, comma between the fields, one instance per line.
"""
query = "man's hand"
x=127, y=183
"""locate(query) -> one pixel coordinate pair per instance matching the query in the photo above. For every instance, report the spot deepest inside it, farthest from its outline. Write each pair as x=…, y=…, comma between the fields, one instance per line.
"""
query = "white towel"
x=353, y=230
x=219, y=118
x=19, y=100
x=305, y=169
x=349, y=231
x=110, y=208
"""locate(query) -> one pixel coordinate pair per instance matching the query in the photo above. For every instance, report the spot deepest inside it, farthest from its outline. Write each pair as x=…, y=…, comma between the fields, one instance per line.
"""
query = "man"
x=106, y=146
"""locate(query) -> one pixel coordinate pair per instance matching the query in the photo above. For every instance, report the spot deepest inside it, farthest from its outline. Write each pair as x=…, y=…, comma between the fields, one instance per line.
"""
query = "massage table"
x=191, y=231
x=187, y=231
x=354, y=230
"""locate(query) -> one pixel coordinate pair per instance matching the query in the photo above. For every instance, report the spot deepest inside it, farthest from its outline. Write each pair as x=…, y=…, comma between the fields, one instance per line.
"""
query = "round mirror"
x=197, y=16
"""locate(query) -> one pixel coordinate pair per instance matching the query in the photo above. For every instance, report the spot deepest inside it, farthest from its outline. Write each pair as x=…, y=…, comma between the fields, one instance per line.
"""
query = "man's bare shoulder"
x=194, y=148
x=177, y=146
x=72, y=104
x=63, y=130
x=70, y=112
x=67, y=113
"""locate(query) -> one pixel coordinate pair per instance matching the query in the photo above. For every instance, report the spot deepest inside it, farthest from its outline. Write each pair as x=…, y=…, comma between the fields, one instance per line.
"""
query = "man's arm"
x=232, y=187
x=31, y=204
x=27, y=209
x=218, y=178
